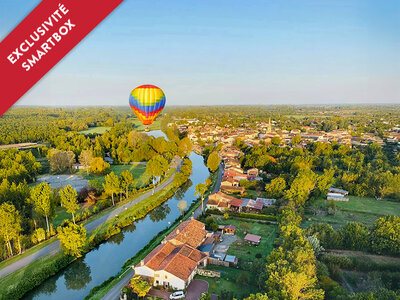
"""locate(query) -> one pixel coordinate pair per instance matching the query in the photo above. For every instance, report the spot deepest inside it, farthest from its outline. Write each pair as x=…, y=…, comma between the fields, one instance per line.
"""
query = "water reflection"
x=117, y=239
x=182, y=205
x=159, y=213
x=180, y=193
x=77, y=279
x=77, y=276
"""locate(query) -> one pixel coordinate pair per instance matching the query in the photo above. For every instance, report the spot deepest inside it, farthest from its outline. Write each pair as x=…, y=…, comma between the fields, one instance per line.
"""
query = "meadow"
x=358, y=209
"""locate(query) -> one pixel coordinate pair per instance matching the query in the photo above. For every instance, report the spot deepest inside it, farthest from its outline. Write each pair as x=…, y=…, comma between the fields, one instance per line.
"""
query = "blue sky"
x=229, y=52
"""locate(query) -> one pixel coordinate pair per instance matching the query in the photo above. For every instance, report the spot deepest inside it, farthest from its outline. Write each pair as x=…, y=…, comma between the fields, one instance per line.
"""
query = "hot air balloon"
x=147, y=102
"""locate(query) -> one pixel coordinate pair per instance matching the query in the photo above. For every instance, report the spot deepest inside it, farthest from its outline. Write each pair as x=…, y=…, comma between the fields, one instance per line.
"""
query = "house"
x=190, y=232
x=229, y=180
x=235, y=169
x=174, y=262
x=219, y=201
x=78, y=167
x=172, y=266
x=252, y=239
x=229, y=229
x=254, y=206
x=233, y=189
x=336, y=197
x=252, y=172
x=235, y=205
x=338, y=191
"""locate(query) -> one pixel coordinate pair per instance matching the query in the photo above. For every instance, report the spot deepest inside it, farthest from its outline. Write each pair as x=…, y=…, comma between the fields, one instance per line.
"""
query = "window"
x=166, y=277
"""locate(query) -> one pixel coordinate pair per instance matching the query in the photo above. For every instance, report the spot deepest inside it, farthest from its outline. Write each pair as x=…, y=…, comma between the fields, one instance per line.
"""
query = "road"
x=217, y=186
x=114, y=292
x=55, y=246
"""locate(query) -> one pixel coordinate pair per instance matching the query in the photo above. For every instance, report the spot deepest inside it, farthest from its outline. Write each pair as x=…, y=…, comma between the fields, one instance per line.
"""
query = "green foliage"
x=98, y=166
x=41, y=198
x=10, y=225
x=385, y=235
x=213, y=161
x=140, y=287
x=69, y=200
x=18, y=166
x=354, y=236
x=72, y=239
x=276, y=188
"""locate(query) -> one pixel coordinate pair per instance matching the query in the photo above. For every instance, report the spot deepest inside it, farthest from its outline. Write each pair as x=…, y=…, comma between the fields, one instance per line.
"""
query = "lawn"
x=96, y=130
x=357, y=209
x=228, y=282
x=245, y=252
x=137, y=170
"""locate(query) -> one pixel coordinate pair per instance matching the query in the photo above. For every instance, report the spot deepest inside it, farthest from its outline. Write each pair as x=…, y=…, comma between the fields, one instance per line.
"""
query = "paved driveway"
x=222, y=247
x=195, y=289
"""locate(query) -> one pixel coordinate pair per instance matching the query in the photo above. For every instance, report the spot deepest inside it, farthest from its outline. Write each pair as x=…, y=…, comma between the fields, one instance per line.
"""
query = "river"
x=75, y=281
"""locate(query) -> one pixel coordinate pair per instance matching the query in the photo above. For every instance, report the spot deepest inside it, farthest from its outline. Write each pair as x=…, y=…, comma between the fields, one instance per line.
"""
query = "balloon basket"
x=147, y=129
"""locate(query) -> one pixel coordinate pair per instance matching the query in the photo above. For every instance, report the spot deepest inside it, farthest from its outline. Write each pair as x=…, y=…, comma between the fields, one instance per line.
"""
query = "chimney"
x=178, y=231
x=192, y=218
x=142, y=262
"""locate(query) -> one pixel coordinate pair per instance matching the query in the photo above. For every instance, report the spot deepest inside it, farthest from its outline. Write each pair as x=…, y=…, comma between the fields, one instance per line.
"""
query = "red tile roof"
x=236, y=202
x=252, y=238
x=190, y=232
x=178, y=260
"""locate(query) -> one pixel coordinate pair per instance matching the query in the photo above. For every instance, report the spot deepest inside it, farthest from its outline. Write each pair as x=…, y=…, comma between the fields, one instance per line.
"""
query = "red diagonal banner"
x=42, y=39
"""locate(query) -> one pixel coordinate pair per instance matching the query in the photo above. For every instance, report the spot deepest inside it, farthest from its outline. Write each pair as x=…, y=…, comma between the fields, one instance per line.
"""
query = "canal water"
x=76, y=281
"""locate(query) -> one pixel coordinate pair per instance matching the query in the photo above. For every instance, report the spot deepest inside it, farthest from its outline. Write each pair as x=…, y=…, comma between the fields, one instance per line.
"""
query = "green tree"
x=111, y=186
x=276, y=188
x=10, y=224
x=61, y=160
x=385, y=235
x=301, y=188
x=201, y=189
x=184, y=147
x=99, y=166
x=72, y=239
x=69, y=200
x=276, y=140
x=296, y=139
x=213, y=161
x=126, y=181
x=354, y=236
x=140, y=287
x=85, y=159
x=41, y=198
x=157, y=166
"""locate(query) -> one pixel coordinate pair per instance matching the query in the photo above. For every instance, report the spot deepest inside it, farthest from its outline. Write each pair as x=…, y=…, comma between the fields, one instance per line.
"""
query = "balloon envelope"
x=147, y=102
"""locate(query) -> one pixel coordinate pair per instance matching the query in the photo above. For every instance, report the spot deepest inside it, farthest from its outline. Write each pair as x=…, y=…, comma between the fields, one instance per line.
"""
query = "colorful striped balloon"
x=147, y=102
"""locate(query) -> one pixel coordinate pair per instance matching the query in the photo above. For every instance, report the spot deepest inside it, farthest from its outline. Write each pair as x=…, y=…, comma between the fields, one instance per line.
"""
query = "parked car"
x=177, y=295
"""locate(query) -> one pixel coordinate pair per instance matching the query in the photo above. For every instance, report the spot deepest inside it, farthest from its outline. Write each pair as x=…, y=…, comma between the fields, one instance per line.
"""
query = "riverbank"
x=111, y=288
x=39, y=268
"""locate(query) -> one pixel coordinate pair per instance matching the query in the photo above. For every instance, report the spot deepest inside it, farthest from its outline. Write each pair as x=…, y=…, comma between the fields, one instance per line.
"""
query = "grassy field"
x=372, y=273
x=137, y=170
x=96, y=130
x=247, y=252
x=227, y=282
x=357, y=209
